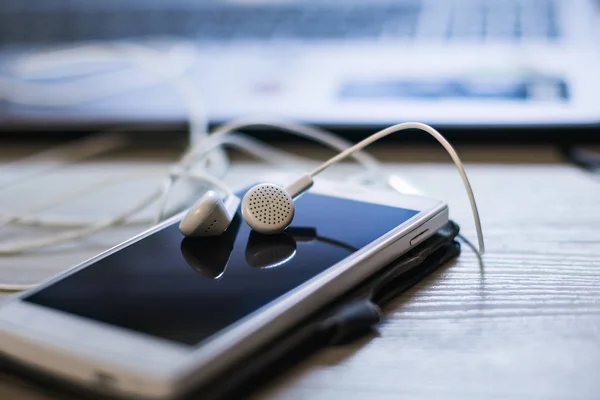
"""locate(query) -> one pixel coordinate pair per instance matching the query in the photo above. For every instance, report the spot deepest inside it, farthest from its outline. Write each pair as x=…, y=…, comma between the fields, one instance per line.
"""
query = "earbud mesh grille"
x=270, y=205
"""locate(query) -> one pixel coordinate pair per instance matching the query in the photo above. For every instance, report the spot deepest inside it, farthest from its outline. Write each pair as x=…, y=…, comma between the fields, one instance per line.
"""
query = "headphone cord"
x=441, y=139
x=193, y=164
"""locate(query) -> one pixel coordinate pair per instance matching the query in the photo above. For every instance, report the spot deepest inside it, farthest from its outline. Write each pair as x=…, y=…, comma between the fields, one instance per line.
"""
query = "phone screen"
x=187, y=289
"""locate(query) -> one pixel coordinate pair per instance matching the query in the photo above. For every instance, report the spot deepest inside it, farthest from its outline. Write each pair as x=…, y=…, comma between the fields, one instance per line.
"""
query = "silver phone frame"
x=120, y=362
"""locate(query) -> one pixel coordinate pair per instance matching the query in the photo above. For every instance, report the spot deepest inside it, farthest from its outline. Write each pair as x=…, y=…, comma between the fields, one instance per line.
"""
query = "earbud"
x=269, y=208
x=210, y=215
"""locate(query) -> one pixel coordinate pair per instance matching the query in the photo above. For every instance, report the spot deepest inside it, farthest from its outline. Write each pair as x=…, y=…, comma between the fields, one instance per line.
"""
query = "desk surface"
x=526, y=326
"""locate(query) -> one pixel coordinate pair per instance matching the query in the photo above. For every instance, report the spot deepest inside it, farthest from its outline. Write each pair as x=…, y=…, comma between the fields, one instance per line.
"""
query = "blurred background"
x=89, y=87
x=479, y=68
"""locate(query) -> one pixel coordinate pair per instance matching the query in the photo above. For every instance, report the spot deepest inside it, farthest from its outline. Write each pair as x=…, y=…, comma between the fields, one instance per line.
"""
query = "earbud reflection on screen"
x=209, y=255
x=269, y=251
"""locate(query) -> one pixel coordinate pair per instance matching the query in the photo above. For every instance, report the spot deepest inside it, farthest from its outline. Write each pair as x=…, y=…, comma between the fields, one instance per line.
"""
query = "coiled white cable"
x=19, y=247
x=441, y=139
x=195, y=157
x=167, y=67
x=58, y=156
x=27, y=219
x=318, y=135
x=315, y=134
x=241, y=142
x=149, y=59
x=246, y=144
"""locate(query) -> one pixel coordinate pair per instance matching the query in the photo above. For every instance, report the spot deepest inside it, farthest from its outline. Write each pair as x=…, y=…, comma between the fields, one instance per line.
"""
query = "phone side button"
x=417, y=239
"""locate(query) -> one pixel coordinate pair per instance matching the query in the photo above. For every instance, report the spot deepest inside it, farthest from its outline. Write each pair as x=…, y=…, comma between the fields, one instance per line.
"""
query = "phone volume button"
x=420, y=236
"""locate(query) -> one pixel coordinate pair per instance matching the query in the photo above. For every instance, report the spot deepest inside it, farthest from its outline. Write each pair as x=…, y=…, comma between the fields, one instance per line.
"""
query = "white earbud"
x=269, y=209
x=210, y=215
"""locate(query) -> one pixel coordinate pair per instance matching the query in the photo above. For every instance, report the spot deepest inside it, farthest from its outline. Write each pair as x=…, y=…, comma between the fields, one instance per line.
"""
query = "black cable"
x=586, y=159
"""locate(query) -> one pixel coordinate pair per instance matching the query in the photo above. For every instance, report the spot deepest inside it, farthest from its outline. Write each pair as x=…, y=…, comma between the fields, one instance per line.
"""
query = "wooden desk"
x=526, y=326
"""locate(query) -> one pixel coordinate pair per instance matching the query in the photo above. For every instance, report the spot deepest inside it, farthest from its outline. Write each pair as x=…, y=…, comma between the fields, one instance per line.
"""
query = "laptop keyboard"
x=511, y=20
x=60, y=21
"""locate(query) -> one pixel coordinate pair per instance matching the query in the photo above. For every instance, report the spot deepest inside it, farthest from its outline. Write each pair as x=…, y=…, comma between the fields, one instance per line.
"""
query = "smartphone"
x=160, y=315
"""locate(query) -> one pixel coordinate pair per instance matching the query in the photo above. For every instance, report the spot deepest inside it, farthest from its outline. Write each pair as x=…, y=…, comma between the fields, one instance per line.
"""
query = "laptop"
x=455, y=63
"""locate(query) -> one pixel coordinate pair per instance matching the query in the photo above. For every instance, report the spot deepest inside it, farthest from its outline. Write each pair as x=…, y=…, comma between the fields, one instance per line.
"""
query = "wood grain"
x=525, y=325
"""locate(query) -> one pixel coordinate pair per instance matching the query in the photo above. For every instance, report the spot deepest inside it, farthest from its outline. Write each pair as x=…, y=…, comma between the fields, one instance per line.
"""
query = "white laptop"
x=467, y=63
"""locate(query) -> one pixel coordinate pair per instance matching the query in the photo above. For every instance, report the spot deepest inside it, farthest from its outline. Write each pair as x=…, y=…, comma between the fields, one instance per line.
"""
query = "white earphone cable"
x=318, y=135
x=441, y=139
x=26, y=218
x=165, y=68
x=58, y=156
x=15, y=287
x=200, y=149
x=19, y=247
x=238, y=141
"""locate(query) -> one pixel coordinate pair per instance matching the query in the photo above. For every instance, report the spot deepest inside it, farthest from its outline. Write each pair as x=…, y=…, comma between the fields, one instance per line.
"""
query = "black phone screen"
x=187, y=289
